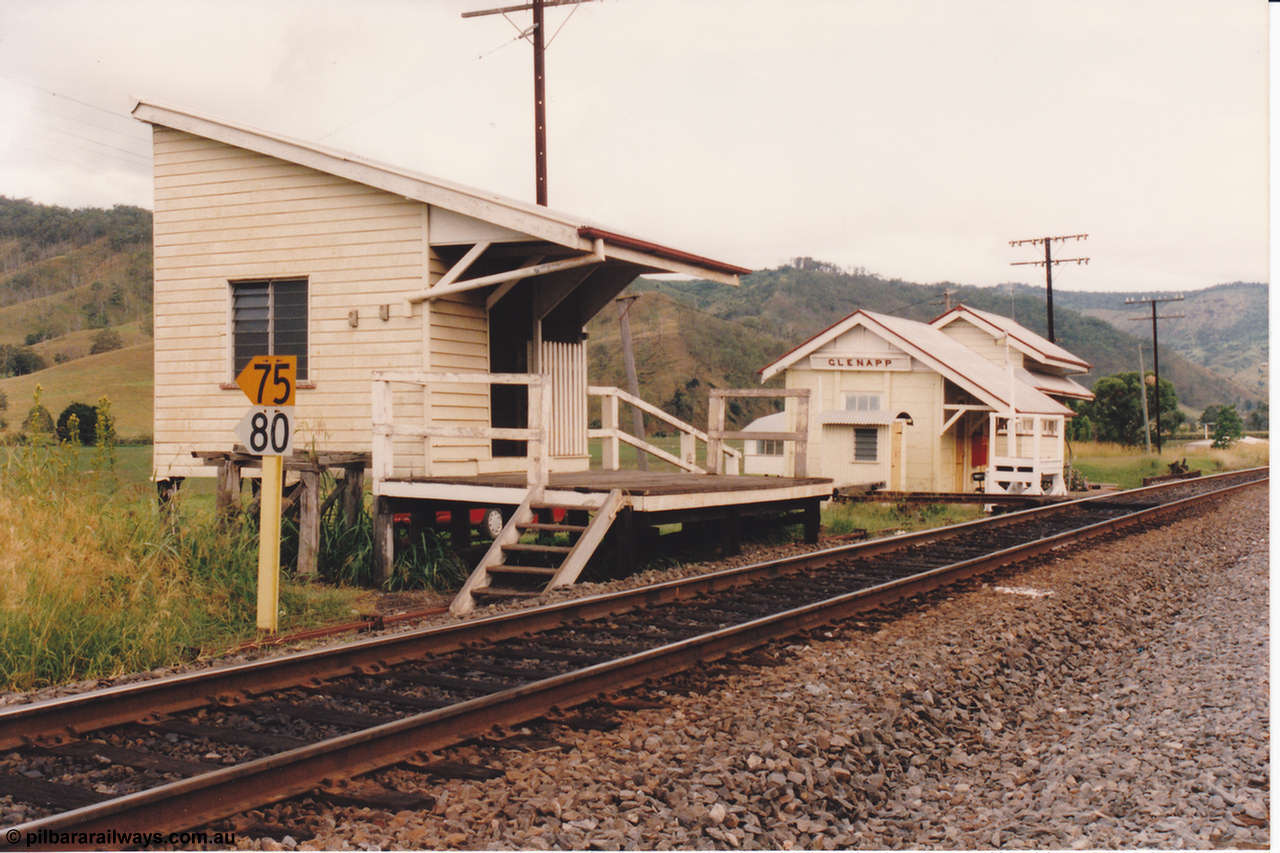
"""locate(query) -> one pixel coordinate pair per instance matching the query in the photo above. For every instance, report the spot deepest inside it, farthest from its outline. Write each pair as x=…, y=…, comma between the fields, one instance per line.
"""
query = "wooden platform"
x=646, y=492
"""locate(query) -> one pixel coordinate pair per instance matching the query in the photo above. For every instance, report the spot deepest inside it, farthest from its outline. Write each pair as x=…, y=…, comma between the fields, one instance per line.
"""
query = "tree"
x=1115, y=411
x=105, y=341
x=1228, y=427
x=1210, y=415
x=87, y=426
x=1260, y=417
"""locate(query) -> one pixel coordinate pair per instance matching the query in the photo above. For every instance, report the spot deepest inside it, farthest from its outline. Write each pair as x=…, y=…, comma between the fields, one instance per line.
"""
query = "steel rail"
x=52, y=720
x=220, y=793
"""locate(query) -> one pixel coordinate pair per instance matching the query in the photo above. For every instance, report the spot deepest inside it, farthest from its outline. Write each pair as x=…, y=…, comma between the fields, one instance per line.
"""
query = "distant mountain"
x=790, y=303
x=1224, y=328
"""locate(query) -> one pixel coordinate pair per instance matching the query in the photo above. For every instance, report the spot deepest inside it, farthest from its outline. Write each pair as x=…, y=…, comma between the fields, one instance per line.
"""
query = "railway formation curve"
x=284, y=726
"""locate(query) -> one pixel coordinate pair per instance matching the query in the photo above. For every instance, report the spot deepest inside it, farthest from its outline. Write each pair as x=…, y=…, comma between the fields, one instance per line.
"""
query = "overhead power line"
x=537, y=35
x=1049, y=263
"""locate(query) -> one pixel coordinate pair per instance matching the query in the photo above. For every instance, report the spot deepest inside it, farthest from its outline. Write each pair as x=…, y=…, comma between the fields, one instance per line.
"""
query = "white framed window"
x=1050, y=426
x=866, y=444
x=769, y=447
x=862, y=402
x=1026, y=426
x=269, y=317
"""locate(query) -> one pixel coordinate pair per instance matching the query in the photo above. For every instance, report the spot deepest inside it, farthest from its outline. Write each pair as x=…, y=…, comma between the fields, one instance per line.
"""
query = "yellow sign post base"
x=269, y=544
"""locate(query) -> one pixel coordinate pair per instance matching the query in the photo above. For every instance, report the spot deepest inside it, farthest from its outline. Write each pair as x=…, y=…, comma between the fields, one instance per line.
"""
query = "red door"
x=978, y=450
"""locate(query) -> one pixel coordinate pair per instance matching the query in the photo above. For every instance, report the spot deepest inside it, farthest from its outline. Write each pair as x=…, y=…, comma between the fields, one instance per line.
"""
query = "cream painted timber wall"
x=917, y=392
x=224, y=214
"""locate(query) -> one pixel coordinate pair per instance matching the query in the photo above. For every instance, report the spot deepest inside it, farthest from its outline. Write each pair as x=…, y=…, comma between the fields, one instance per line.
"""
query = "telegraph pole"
x=629, y=362
x=537, y=35
x=1049, y=263
x=947, y=293
x=1155, y=352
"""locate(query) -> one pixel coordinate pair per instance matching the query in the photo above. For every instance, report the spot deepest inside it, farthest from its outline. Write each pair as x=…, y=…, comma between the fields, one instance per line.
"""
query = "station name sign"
x=853, y=361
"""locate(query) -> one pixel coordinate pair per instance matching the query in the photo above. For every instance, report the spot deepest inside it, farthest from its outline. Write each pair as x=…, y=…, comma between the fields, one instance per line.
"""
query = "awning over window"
x=847, y=418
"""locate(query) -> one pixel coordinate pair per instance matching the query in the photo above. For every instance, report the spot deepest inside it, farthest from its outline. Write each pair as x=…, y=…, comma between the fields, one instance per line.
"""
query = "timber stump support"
x=812, y=521
x=384, y=540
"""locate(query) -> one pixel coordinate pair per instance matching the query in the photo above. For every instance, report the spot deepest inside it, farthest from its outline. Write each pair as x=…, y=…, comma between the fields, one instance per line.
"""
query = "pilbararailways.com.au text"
x=111, y=838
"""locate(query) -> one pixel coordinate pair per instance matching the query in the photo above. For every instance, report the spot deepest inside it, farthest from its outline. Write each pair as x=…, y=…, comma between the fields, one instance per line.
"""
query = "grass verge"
x=95, y=581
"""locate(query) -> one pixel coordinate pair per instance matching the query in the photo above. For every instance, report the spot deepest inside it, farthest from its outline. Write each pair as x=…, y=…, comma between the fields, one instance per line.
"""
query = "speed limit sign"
x=267, y=431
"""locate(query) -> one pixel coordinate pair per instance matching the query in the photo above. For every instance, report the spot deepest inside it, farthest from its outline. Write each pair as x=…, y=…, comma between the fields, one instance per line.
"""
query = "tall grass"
x=95, y=580
x=1103, y=462
x=877, y=518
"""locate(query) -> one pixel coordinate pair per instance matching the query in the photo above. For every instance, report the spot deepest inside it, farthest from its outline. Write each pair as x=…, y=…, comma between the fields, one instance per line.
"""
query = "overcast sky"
x=914, y=139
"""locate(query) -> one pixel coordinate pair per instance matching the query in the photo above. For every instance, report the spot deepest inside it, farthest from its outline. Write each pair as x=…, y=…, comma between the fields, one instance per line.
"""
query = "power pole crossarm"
x=1049, y=263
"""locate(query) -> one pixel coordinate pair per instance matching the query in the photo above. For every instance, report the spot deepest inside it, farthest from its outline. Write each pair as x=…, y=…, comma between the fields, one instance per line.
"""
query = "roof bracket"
x=445, y=288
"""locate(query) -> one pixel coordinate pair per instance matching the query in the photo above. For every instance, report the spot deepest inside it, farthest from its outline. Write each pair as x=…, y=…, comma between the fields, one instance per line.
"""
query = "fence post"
x=609, y=420
x=801, y=455
x=715, y=426
x=688, y=447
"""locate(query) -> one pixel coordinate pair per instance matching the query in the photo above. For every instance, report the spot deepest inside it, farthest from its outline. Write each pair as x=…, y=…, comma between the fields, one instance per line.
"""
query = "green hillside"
x=1223, y=328
x=123, y=375
x=790, y=304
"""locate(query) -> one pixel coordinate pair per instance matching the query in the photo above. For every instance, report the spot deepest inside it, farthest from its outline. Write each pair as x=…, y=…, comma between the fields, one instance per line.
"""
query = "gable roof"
x=994, y=385
x=541, y=223
x=1024, y=340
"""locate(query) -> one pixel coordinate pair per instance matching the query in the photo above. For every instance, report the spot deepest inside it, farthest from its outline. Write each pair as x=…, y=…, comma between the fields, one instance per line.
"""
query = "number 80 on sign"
x=267, y=431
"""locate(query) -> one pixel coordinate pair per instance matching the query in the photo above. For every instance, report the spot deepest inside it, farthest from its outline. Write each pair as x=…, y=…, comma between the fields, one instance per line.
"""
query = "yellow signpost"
x=269, y=381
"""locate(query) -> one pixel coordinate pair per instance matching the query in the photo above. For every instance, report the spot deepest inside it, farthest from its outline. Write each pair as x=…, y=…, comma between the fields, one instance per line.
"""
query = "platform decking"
x=645, y=491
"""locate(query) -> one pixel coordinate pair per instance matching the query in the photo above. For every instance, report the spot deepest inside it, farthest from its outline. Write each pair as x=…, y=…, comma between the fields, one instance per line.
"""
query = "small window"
x=862, y=402
x=865, y=444
x=768, y=447
x=269, y=318
x=1026, y=426
x=1050, y=426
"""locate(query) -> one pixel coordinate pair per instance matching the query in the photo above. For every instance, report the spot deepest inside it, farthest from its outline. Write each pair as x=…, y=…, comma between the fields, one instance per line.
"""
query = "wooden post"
x=352, y=493
x=459, y=527
x=633, y=384
x=731, y=533
x=715, y=426
x=227, y=502
x=801, y=455
x=689, y=447
x=609, y=421
x=384, y=552
x=812, y=520
x=624, y=527
x=309, y=524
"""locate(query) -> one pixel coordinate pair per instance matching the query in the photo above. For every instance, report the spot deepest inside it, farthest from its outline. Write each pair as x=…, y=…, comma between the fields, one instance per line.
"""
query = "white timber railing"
x=800, y=438
x=387, y=428
x=1033, y=458
x=614, y=437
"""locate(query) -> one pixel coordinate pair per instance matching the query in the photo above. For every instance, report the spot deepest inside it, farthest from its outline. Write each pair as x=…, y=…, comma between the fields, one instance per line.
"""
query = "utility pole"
x=1142, y=380
x=1155, y=352
x=1049, y=263
x=537, y=35
x=947, y=293
x=633, y=383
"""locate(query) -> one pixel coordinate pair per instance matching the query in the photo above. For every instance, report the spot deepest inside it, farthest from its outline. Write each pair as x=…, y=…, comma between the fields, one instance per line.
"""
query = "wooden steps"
x=537, y=565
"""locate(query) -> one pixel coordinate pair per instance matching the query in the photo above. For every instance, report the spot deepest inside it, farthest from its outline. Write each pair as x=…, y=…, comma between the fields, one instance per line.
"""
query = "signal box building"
x=971, y=401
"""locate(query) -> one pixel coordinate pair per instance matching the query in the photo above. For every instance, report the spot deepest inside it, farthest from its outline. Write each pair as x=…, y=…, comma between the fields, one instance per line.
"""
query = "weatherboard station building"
x=439, y=336
x=971, y=401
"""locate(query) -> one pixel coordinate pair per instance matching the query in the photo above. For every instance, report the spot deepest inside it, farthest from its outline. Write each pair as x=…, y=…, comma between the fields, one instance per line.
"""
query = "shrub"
x=105, y=341
x=87, y=423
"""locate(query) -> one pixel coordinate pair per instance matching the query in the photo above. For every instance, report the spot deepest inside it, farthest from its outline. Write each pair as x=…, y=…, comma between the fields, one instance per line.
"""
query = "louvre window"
x=269, y=318
x=865, y=444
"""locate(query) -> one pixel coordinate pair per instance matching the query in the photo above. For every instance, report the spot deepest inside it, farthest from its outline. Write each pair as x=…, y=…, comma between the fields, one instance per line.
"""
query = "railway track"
x=183, y=751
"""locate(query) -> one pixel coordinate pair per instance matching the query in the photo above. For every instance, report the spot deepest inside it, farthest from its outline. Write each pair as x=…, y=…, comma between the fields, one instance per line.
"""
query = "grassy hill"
x=790, y=304
x=123, y=375
x=1224, y=328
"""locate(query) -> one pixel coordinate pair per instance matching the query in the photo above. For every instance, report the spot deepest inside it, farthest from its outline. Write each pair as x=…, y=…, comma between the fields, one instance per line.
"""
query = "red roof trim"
x=661, y=251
